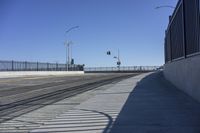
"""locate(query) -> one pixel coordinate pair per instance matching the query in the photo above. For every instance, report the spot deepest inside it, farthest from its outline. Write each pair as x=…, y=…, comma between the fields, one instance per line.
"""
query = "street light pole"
x=67, y=44
x=72, y=28
x=71, y=54
x=68, y=56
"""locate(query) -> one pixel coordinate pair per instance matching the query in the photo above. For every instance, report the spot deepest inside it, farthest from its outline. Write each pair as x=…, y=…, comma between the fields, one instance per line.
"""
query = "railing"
x=182, y=37
x=37, y=66
x=122, y=69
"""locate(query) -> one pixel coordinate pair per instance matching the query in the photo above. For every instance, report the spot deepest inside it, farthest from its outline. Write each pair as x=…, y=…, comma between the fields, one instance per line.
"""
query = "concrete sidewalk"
x=142, y=104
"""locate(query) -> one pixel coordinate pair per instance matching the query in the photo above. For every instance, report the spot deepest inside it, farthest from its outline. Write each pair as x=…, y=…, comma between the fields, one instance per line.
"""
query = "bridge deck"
x=144, y=103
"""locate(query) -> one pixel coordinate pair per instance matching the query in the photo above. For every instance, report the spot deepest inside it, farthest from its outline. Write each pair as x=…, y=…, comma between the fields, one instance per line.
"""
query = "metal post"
x=119, y=60
x=47, y=66
x=68, y=45
x=37, y=66
x=25, y=65
x=184, y=30
x=71, y=56
x=12, y=63
x=68, y=58
x=56, y=66
x=67, y=55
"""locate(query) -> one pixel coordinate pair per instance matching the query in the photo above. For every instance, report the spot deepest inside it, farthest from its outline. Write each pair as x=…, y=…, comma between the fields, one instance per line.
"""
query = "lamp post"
x=72, y=28
x=67, y=44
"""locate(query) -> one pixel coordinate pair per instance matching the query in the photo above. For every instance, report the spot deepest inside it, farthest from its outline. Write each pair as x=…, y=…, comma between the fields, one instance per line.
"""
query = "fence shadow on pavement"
x=156, y=106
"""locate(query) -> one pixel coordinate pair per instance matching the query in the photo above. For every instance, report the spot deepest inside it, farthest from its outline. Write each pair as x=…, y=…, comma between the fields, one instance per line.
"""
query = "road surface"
x=19, y=96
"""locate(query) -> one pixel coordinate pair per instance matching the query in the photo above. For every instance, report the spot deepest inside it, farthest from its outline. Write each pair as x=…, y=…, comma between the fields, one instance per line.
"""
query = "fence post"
x=184, y=29
x=12, y=63
x=56, y=66
x=37, y=66
x=47, y=66
x=25, y=65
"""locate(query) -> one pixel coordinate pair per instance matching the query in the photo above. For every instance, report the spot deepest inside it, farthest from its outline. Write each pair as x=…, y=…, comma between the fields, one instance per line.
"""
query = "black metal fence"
x=122, y=69
x=37, y=66
x=183, y=34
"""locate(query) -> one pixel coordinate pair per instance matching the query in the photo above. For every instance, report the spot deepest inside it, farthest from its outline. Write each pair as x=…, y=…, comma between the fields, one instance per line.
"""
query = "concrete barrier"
x=185, y=75
x=13, y=74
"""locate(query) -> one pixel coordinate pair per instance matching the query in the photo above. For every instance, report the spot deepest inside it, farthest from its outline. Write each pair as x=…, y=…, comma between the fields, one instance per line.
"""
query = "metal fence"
x=37, y=66
x=182, y=37
x=123, y=69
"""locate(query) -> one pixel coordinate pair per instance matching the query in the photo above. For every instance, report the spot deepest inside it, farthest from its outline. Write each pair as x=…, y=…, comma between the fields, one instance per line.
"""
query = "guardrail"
x=37, y=66
x=123, y=69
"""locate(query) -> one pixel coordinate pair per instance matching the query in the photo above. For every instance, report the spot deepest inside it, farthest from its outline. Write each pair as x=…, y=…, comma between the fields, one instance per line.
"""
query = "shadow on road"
x=156, y=106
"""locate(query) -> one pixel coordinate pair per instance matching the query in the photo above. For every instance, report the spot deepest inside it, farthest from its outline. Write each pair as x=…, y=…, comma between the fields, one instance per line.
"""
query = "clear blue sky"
x=34, y=30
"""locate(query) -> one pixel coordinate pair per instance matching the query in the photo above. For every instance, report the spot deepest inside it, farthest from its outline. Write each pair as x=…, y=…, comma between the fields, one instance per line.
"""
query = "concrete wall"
x=185, y=75
x=37, y=73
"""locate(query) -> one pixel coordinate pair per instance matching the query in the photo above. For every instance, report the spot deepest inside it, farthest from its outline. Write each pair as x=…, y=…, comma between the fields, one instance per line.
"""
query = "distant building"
x=182, y=47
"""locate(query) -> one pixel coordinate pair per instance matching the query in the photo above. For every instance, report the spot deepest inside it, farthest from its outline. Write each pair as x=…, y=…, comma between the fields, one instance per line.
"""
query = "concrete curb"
x=38, y=73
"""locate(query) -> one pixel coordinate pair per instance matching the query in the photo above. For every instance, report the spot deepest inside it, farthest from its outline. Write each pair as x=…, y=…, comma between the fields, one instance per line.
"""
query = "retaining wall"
x=185, y=75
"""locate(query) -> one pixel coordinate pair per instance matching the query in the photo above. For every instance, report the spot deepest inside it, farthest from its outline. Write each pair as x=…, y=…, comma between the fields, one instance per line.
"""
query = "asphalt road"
x=22, y=95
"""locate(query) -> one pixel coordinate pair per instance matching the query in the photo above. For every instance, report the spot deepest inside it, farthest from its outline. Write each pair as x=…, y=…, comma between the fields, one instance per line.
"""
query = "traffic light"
x=72, y=62
x=108, y=53
x=118, y=63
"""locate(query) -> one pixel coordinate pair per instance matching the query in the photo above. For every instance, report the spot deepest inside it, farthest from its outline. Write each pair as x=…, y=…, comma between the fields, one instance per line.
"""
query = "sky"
x=35, y=30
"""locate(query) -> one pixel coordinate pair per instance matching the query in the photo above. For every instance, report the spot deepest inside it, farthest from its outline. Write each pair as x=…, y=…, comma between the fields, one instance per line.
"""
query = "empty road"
x=19, y=96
